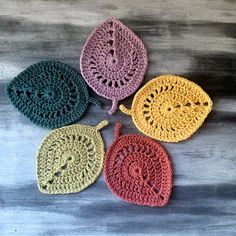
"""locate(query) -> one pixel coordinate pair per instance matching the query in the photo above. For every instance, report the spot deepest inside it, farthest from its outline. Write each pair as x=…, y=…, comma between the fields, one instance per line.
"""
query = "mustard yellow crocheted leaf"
x=70, y=159
x=169, y=108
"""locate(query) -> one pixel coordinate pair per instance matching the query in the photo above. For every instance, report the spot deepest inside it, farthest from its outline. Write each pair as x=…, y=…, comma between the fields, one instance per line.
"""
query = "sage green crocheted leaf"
x=70, y=159
x=51, y=94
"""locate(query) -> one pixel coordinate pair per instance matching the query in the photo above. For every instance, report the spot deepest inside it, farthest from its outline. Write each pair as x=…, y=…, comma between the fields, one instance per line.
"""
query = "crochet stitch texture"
x=113, y=61
x=169, y=108
x=138, y=170
x=70, y=159
x=51, y=94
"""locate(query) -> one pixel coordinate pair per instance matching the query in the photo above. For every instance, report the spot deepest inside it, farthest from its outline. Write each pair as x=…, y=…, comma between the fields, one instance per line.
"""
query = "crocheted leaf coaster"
x=138, y=170
x=113, y=61
x=51, y=94
x=70, y=159
x=169, y=108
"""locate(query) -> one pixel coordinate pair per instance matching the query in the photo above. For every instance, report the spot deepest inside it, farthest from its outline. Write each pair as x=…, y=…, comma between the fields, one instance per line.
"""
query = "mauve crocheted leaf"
x=113, y=61
x=169, y=108
x=138, y=170
x=51, y=94
x=70, y=159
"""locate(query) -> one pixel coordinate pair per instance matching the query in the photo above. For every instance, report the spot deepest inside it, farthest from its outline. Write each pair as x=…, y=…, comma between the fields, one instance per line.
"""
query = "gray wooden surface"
x=195, y=39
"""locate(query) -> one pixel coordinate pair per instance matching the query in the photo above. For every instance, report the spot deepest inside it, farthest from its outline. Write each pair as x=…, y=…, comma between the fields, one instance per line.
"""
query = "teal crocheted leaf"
x=51, y=94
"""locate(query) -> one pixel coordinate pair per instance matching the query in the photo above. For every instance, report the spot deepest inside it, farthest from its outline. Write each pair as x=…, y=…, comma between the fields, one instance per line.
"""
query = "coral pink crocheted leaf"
x=113, y=61
x=138, y=170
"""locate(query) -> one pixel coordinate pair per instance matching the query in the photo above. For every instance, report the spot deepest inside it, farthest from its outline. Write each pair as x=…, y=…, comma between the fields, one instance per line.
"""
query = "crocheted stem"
x=113, y=107
x=102, y=124
x=117, y=130
x=95, y=101
x=125, y=110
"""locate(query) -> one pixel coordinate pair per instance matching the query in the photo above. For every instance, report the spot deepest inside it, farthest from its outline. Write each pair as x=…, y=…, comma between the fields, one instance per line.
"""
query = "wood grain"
x=195, y=39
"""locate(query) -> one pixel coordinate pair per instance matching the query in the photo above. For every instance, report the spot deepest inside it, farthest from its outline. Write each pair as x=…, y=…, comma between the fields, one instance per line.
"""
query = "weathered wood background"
x=195, y=39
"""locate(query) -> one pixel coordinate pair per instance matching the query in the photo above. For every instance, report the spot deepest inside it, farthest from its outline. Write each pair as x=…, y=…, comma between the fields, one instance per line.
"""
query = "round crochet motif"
x=138, y=170
x=113, y=61
x=70, y=159
x=169, y=108
x=51, y=94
